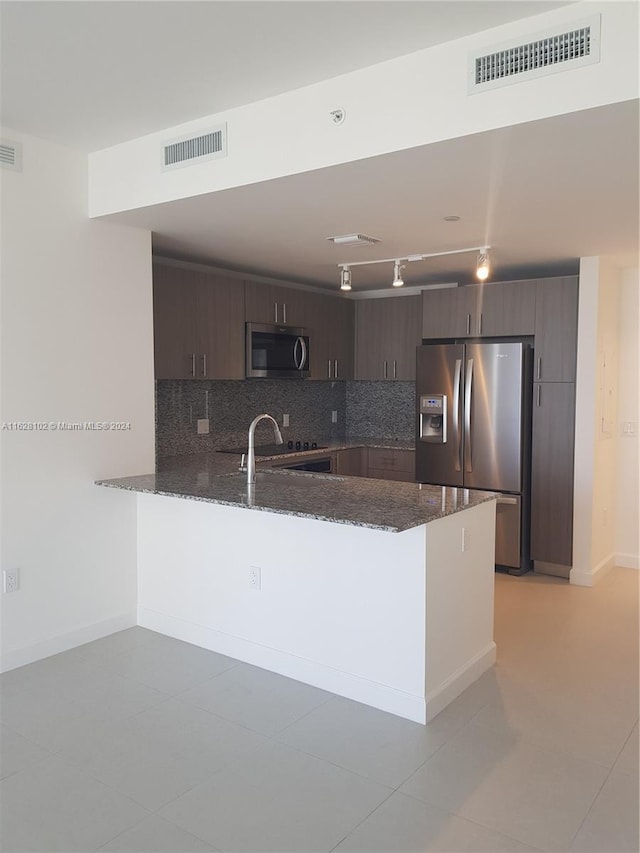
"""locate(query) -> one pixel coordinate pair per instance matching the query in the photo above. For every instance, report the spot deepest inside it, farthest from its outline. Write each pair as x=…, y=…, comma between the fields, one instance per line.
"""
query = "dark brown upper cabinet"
x=198, y=320
x=556, y=329
x=487, y=310
x=387, y=334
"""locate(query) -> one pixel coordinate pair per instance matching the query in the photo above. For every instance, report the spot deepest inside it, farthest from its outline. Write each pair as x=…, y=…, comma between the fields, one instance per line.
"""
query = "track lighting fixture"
x=345, y=278
x=483, y=267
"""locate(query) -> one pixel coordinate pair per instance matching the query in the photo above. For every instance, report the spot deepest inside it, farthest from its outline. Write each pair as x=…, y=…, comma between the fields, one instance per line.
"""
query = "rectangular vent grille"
x=538, y=54
x=351, y=240
x=576, y=47
x=206, y=146
x=10, y=155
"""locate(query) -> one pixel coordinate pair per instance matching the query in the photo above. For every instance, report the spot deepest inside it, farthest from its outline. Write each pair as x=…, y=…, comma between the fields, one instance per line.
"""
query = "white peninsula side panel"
x=341, y=607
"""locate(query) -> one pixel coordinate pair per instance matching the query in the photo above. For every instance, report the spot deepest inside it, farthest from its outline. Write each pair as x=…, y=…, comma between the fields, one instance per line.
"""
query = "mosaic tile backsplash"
x=381, y=410
x=365, y=410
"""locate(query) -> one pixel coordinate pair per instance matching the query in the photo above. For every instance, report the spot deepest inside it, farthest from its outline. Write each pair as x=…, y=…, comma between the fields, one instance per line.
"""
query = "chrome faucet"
x=251, y=454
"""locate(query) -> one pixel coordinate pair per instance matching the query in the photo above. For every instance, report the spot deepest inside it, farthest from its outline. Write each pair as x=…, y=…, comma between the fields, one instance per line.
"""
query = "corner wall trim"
x=627, y=561
x=596, y=574
x=461, y=679
x=64, y=642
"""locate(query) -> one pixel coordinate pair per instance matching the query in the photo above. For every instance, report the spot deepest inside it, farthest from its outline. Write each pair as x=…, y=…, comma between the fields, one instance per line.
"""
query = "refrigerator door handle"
x=468, y=388
x=456, y=412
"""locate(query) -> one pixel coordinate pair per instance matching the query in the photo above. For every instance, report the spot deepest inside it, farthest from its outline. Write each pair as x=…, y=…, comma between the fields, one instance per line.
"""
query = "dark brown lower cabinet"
x=377, y=463
x=552, y=477
x=352, y=462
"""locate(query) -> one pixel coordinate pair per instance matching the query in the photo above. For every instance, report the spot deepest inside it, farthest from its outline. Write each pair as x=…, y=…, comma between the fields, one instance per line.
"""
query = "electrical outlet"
x=285, y=420
x=202, y=426
x=255, y=577
x=334, y=416
x=10, y=580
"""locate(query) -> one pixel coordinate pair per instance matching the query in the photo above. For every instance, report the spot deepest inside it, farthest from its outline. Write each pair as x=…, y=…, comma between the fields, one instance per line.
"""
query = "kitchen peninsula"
x=376, y=590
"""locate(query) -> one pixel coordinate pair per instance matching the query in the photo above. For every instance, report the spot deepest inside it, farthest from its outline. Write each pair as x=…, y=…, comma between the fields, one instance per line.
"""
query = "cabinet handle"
x=329, y=368
x=275, y=312
x=539, y=368
x=384, y=375
x=538, y=395
x=204, y=364
x=468, y=324
x=193, y=364
x=335, y=369
x=284, y=313
x=395, y=369
x=480, y=324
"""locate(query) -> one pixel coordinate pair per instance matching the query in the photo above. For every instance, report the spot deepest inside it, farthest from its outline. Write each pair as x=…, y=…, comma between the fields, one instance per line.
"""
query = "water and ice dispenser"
x=433, y=418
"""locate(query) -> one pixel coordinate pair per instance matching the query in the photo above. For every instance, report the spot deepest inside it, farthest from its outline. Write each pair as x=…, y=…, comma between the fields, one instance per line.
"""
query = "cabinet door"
x=398, y=462
x=341, y=332
x=552, y=472
x=387, y=334
x=268, y=303
x=318, y=325
x=506, y=308
x=174, y=323
x=220, y=322
x=330, y=324
x=405, y=328
x=372, y=339
x=448, y=312
x=556, y=329
x=352, y=462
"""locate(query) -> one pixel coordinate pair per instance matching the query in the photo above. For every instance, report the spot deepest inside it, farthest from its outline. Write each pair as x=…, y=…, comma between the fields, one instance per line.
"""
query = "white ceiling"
x=89, y=74
x=542, y=194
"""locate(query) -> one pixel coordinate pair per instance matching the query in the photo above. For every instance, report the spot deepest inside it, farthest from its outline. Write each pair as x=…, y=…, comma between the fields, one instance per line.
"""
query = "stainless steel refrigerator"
x=474, y=431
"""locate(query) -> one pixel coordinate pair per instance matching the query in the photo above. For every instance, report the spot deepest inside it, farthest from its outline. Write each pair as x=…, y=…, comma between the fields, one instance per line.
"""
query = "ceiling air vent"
x=10, y=155
x=348, y=240
x=544, y=53
x=191, y=149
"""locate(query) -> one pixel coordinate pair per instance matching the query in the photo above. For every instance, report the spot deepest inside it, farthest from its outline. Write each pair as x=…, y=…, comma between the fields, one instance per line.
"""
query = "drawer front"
x=391, y=460
x=385, y=474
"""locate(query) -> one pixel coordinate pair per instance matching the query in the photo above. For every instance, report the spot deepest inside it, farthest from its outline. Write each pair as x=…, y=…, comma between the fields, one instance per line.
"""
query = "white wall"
x=627, y=535
x=585, y=424
x=605, y=448
x=606, y=466
x=76, y=346
x=413, y=100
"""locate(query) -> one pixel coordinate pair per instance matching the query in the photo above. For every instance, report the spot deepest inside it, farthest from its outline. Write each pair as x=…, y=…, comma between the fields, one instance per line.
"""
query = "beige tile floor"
x=142, y=744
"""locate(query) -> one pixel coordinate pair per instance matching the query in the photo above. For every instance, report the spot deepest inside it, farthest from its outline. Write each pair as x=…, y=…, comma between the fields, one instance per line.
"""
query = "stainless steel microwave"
x=277, y=352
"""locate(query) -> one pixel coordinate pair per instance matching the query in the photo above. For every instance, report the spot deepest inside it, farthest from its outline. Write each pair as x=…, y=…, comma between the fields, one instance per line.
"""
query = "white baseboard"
x=627, y=561
x=346, y=684
x=64, y=642
x=461, y=679
x=597, y=573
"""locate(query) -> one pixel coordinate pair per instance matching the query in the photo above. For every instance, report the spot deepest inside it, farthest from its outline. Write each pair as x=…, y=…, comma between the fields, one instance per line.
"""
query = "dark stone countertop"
x=379, y=504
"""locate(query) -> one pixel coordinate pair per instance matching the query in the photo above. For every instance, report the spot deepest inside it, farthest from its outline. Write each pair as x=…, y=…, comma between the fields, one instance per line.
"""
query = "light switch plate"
x=203, y=426
x=334, y=416
x=285, y=420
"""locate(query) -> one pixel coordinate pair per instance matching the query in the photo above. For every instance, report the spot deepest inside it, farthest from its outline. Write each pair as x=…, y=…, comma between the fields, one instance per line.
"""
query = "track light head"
x=345, y=278
x=483, y=267
x=397, y=275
